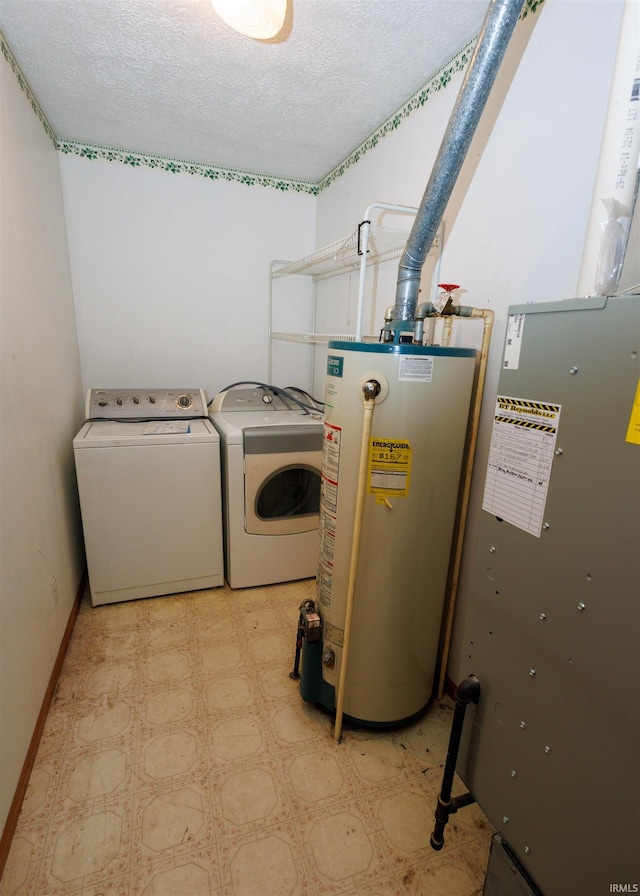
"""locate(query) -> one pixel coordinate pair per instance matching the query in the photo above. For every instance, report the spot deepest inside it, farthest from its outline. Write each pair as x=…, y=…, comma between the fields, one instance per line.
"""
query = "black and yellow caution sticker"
x=526, y=424
x=524, y=406
x=633, y=432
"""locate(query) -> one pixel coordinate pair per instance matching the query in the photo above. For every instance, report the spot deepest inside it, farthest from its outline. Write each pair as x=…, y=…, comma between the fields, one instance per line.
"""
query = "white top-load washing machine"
x=148, y=470
x=271, y=452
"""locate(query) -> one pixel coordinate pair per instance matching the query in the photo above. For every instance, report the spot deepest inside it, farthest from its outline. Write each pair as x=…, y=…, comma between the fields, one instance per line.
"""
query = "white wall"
x=170, y=273
x=41, y=410
x=516, y=221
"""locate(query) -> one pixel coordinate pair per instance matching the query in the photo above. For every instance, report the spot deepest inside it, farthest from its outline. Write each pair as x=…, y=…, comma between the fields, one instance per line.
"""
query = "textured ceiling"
x=168, y=78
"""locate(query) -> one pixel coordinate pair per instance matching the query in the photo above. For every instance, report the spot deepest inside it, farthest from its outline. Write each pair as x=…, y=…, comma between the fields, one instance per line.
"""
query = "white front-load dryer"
x=271, y=455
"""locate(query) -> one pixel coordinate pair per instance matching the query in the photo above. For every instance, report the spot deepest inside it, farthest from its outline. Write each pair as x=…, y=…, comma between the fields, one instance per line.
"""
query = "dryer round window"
x=291, y=492
x=282, y=467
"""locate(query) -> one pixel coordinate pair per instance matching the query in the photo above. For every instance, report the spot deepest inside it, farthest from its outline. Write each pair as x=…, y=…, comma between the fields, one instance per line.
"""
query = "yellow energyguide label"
x=389, y=467
x=633, y=432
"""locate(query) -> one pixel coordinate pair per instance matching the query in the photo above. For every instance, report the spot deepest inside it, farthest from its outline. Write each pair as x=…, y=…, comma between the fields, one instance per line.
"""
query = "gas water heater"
x=391, y=467
x=414, y=451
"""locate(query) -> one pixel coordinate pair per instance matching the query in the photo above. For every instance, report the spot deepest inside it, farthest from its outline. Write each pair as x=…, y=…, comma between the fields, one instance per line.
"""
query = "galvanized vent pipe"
x=489, y=51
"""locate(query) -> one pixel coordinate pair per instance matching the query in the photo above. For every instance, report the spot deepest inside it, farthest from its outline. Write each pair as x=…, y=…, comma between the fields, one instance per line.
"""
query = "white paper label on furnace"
x=415, y=368
x=523, y=442
x=513, y=342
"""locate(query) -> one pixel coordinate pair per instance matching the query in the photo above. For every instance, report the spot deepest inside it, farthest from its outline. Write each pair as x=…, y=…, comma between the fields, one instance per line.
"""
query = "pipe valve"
x=328, y=658
x=371, y=389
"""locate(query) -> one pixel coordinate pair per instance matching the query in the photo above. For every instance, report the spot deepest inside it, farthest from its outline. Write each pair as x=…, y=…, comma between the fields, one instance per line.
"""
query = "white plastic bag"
x=614, y=238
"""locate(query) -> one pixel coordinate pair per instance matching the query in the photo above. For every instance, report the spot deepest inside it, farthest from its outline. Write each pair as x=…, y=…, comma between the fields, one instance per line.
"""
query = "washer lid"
x=115, y=433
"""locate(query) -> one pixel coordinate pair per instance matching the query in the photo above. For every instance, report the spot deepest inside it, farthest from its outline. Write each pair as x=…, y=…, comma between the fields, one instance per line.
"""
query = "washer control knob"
x=184, y=401
x=119, y=401
x=136, y=400
x=152, y=399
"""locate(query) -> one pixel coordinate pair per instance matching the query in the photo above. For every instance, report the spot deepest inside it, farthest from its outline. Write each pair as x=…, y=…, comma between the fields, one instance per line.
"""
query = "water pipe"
x=365, y=229
x=370, y=390
x=470, y=450
x=424, y=309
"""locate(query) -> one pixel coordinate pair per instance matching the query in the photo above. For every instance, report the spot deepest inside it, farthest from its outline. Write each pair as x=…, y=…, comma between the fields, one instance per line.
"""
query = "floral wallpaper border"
x=438, y=82
x=175, y=166
x=8, y=55
x=441, y=79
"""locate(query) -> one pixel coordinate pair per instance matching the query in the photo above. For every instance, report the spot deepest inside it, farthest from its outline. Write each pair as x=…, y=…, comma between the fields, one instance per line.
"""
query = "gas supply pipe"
x=370, y=390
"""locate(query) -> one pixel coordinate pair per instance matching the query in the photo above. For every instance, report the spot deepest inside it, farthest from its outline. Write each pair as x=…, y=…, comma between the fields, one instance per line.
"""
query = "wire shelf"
x=320, y=338
x=384, y=244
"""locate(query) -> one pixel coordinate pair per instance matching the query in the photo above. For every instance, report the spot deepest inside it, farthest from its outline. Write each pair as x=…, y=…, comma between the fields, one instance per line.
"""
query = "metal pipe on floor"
x=468, y=691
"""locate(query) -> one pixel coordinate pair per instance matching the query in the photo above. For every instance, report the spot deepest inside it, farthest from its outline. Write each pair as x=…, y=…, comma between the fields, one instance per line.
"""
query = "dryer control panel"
x=145, y=404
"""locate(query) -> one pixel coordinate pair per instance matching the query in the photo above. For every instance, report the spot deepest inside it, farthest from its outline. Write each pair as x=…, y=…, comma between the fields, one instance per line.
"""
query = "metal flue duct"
x=494, y=37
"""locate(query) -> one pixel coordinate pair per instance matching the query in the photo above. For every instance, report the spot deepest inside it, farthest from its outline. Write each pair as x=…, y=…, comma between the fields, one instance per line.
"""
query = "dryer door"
x=282, y=479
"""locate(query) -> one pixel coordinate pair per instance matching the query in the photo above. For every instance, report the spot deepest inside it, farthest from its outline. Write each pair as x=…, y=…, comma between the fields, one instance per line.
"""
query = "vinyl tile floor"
x=178, y=759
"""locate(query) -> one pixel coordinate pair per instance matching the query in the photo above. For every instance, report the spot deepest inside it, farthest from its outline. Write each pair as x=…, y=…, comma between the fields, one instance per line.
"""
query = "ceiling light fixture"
x=260, y=19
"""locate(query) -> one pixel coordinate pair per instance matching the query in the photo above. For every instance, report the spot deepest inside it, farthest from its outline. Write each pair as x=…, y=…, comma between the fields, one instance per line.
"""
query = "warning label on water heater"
x=330, y=466
x=332, y=437
x=415, y=368
x=389, y=467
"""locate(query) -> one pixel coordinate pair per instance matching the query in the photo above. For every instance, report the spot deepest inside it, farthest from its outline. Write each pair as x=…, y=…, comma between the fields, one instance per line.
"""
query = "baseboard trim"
x=27, y=768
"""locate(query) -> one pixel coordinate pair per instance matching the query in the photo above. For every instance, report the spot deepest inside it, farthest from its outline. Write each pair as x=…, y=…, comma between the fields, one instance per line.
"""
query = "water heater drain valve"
x=328, y=658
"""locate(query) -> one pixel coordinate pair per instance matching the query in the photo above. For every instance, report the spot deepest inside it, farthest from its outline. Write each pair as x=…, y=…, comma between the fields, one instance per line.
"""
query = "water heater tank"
x=415, y=454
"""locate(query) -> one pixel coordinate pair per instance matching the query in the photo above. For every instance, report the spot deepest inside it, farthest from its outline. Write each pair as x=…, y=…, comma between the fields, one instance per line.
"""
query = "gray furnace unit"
x=551, y=750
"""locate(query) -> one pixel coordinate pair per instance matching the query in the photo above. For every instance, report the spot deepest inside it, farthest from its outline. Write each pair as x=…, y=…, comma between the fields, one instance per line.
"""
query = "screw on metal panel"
x=547, y=749
x=543, y=616
x=523, y=724
x=546, y=525
x=527, y=850
x=582, y=606
x=514, y=773
x=573, y=370
x=492, y=550
x=505, y=820
x=532, y=673
x=559, y=451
